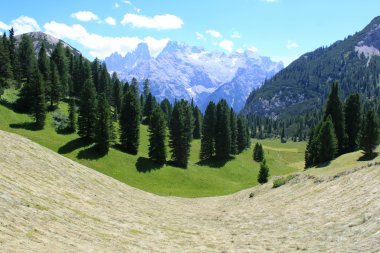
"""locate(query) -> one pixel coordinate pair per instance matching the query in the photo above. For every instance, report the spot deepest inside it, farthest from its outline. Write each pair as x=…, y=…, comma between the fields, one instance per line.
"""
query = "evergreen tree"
x=44, y=64
x=26, y=56
x=116, y=93
x=260, y=153
x=309, y=159
x=197, y=123
x=157, y=137
x=255, y=151
x=223, y=131
x=208, y=133
x=181, y=133
x=233, y=125
x=243, y=139
x=327, y=141
x=352, y=113
x=130, y=121
x=149, y=106
x=312, y=148
x=72, y=117
x=104, y=125
x=105, y=82
x=283, y=136
x=5, y=62
x=58, y=56
x=335, y=110
x=263, y=173
x=87, y=117
x=369, y=137
x=95, y=71
x=54, y=88
x=167, y=109
x=39, y=106
x=146, y=89
x=13, y=54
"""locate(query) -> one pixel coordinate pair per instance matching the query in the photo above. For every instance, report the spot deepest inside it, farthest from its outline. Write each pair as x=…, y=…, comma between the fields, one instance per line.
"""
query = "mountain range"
x=182, y=71
x=303, y=86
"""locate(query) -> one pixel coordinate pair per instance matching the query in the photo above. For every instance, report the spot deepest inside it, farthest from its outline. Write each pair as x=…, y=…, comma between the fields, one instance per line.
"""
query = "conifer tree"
x=44, y=64
x=335, y=110
x=72, y=117
x=328, y=144
x=54, y=88
x=197, y=123
x=208, y=133
x=5, y=62
x=223, y=131
x=242, y=134
x=260, y=153
x=263, y=173
x=167, y=109
x=233, y=124
x=255, y=150
x=130, y=121
x=13, y=54
x=146, y=89
x=58, y=56
x=369, y=137
x=352, y=113
x=95, y=71
x=25, y=56
x=157, y=137
x=38, y=98
x=283, y=136
x=116, y=93
x=104, y=125
x=105, y=82
x=149, y=106
x=87, y=118
x=181, y=133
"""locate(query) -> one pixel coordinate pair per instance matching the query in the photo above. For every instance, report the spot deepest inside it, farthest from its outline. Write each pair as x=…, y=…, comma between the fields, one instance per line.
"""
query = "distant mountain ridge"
x=305, y=83
x=182, y=71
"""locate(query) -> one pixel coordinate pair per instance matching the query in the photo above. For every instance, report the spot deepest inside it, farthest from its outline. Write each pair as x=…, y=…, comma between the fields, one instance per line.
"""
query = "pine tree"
x=243, y=139
x=208, y=133
x=334, y=108
x=223, y=131
x=72, y=117
x=255, y=150
x=352, y=113
x=105, y=82
x=116, y=93
x=55, y=85
x=181, y=133
x=234, y=133
x=309, y=159
x=149, y=106
x=5, y=62
x=25, y=56
x=157, y=137
x=260, y=153
x=130, y=121
x=58, y=56
x=13, y=54
x=146, y=89
x=167, y=109
x=328, y=144
x=283, y=136
x=87, y=117
x=44, y=64
x=95, y=71
x=104, y=125
x=197, y=114
x=369, y=136
x=39, y=106
x=263, y=173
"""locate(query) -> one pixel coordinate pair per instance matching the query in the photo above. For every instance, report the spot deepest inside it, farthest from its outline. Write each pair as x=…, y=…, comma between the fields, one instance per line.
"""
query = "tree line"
x=105, y=110
x=345, y=127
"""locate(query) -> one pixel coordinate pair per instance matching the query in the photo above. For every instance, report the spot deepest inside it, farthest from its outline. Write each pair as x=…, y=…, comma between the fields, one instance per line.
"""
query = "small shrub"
x=61, y=121
x=281, y=181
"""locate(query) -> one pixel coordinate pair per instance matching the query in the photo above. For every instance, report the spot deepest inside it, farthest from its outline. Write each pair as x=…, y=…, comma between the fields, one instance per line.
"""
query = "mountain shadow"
x=73, y=145
x=146, y=165
x=215, y=162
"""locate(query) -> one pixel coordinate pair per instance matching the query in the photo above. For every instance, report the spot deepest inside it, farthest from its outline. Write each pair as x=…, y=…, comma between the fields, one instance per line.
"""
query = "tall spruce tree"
x=208, y=133
x=157, y=137
x=167, y=109
x=263, y=173
x=130, y=121
x=44, y=64
x=181, y=133
x=369, y=136
x=87, y=118
x=104, y=125
x=105, y=82
x=242, y=134
x=255, y=150
x=149, y=106
x=335, y=110
x=25, y=56
x=58, y=56
x=234, y=133
x=116, y=93
x=13, y=54
x=352, y=113
x=72, y=116
x=146, y=89
x=328, y=144
x=5, y=62
x=54, y=88
x=38, y=98
x=197, y=114
x=223, y=131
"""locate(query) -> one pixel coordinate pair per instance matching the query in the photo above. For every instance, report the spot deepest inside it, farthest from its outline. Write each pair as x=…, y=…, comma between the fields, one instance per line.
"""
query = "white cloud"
x=110, y=21
x=270, y=1
x=100, y=46
x=199, y=36
x=138, y=10
x=159, y=22
x=214, y=33
x=22, y=24
x=127, y=2
x=291, y=44
x=116, y=5
x=84, y=16
x=226, y=45
x=236, y=35
x=253, y=49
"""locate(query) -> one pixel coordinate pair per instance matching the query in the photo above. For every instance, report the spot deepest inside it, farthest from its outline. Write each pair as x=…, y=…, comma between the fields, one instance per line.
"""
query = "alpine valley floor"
x=49, y=203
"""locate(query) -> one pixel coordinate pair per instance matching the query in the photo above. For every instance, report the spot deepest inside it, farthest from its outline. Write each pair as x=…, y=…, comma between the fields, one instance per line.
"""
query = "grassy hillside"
x=211, y=179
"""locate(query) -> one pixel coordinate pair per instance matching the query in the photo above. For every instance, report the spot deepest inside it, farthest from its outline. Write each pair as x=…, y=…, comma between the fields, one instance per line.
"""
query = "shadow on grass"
x=31, y=126
x=322, y=165
x=91, y=153
x=146, y=165
x=368, y=157
x=215, y=162
x=7, y=104
x=73, y=145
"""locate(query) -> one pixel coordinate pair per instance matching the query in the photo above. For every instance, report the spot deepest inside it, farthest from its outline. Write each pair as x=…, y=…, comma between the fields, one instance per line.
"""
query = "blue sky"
x=281, y=29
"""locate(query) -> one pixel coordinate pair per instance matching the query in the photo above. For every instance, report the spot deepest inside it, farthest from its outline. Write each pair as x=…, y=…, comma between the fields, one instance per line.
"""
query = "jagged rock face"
x=181, y=71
